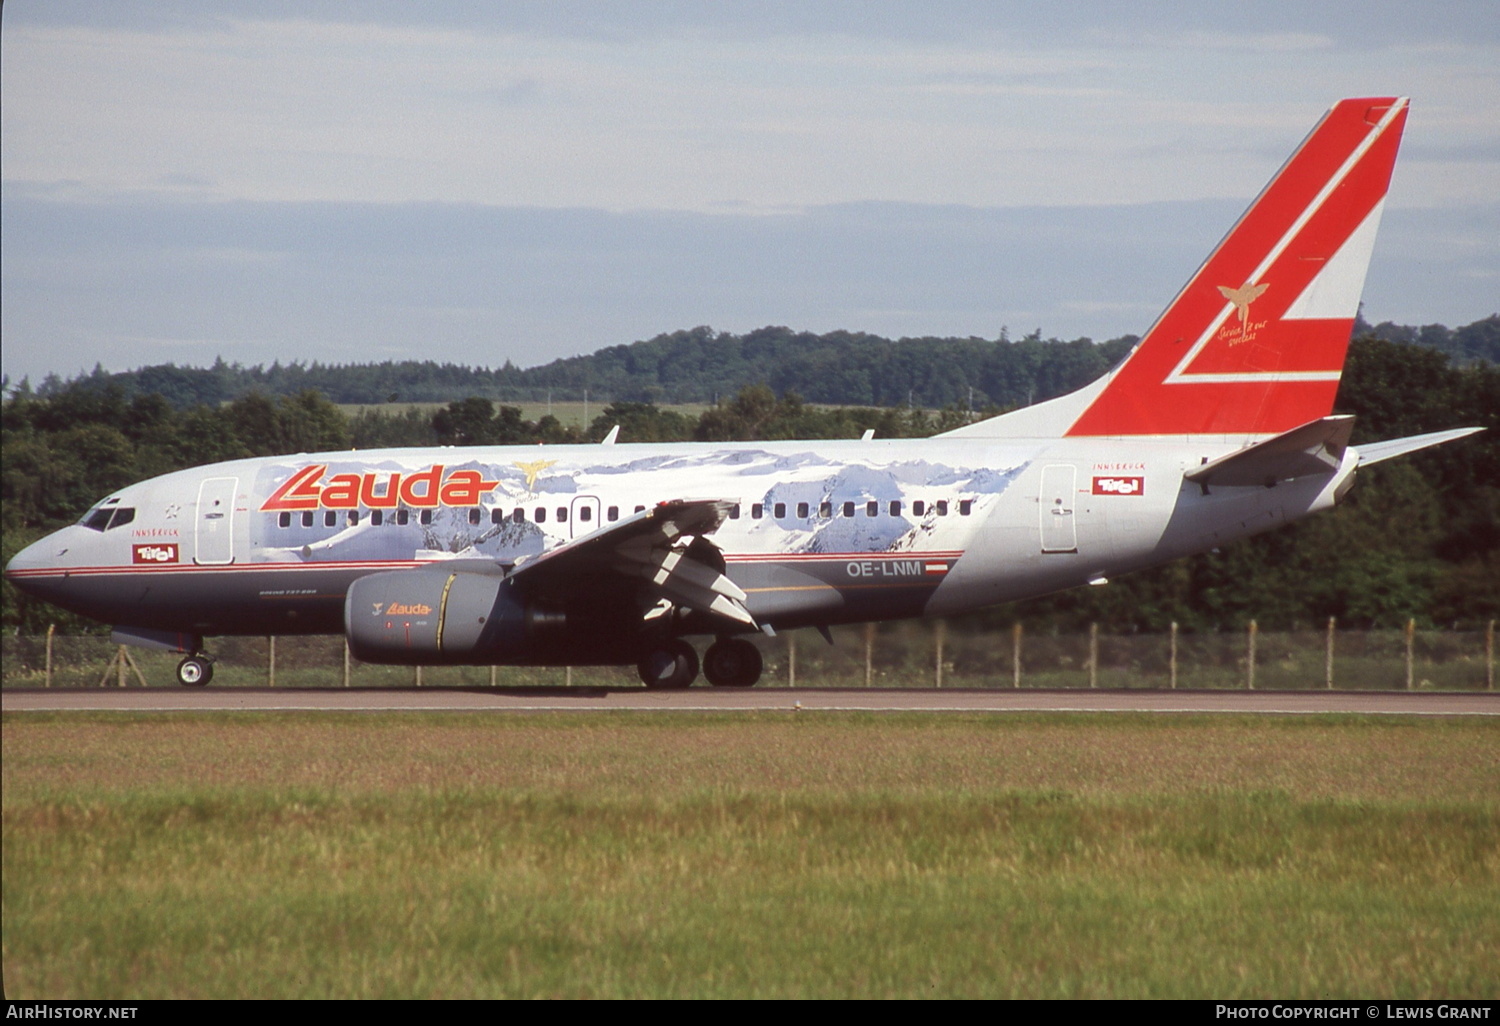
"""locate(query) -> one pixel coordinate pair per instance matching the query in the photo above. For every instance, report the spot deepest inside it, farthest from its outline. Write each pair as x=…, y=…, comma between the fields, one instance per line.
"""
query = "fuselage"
x=819, y=532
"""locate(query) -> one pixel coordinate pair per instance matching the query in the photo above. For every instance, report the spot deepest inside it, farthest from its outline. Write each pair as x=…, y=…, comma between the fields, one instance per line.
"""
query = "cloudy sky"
x=489, y=181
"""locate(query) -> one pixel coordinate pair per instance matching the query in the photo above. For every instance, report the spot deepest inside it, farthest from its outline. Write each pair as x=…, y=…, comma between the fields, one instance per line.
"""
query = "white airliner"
x=1217, y=426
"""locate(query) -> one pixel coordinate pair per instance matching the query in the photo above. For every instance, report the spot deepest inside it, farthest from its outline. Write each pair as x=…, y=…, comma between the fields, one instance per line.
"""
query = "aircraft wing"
x=654, y=546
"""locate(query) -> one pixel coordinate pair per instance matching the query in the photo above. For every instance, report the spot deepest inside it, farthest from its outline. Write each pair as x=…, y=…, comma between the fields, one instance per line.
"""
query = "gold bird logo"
x=531, y=470
x=1242, y=297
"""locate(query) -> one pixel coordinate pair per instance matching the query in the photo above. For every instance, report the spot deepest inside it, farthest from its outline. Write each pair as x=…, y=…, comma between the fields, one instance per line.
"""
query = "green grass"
x=796, y=855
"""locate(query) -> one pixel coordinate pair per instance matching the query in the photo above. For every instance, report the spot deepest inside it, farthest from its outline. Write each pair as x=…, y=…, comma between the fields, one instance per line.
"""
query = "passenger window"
x=965, y=506
x=872, y=508
x=802, y=510
x=519, y=516
x=825, y=509
x=614, y=513
x=586, y=513
x=377, y=517
x=734, y=511
x=354, y=518
x=425, y=517
x=283, y=519
x=402, y=516
x=848, y=509
x=918, y=508
x=779, y=511
x=541, y=514
x=895, y=507
x=497, y=515
x=757, y=510
x=562, y=514
x=942, y=507
x=307, y=519
x=330, y=519
x=640, y=509
x=473, y=516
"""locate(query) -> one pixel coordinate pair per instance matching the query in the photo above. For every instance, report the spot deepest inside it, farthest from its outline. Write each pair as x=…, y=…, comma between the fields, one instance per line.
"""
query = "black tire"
x=671, y=665
x=732, y=663
x=195, y=672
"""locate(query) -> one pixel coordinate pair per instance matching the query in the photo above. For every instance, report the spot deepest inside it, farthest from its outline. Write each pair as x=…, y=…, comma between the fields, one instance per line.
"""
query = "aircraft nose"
x=28, y=568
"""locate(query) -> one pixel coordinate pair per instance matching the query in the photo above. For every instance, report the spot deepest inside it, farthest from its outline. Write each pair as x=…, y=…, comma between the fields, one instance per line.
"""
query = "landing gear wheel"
x=195, y=672
x=732, y=663
x=670, y=665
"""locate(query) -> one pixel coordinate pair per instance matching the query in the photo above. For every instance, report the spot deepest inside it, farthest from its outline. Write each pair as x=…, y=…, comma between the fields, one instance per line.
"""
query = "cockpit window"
x=107, y=515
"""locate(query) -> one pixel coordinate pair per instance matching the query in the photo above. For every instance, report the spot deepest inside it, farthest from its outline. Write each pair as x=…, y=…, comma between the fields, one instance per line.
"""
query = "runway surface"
x=761, y=699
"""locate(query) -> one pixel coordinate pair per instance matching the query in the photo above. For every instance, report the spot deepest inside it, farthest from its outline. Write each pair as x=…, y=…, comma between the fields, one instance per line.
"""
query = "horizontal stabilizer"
x=1314, y=448
x=1377, y=452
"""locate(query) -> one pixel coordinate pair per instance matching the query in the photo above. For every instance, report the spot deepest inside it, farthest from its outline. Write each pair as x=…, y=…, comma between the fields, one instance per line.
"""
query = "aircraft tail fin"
x=1254, y=344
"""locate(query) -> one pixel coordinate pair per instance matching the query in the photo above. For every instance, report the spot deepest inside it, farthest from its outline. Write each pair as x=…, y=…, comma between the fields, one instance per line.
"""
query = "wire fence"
x=910, y=654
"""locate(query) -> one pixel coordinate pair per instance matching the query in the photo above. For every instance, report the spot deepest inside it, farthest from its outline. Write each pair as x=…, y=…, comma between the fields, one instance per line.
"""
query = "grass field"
x=749, y=855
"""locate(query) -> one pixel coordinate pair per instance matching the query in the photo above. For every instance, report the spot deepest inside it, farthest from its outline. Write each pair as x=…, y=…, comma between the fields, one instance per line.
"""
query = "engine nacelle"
x=433, y=616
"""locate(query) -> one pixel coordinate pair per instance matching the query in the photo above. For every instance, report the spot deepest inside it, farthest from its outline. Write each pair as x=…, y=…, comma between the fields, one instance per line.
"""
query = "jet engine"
x=439, y=616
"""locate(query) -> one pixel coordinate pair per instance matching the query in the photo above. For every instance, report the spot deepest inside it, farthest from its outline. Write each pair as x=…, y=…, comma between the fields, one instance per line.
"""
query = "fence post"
x=270, y=660
x=346, y=662
x=940, y=635
x=1093, y=655
x=1015, y=654
x=1172, y=658
x=869, y=655
x=1489, y=657
x=417, y=675
x=47, y=680
x=1411, y=630
x=1328, y=656
x=1250, y=656
x=568, y=670
x=493, y=680
x=121, y=657
x=791, y=659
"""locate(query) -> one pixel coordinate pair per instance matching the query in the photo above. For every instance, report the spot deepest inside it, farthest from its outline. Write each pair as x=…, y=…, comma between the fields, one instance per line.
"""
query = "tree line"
x=1418, y=537
x=701, y=365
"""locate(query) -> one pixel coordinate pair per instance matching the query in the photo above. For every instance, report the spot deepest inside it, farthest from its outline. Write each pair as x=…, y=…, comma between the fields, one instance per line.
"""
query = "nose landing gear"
x=195, y=671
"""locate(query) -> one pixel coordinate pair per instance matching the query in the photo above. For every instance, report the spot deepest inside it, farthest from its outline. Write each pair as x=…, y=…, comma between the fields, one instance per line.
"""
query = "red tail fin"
x=1255, y=343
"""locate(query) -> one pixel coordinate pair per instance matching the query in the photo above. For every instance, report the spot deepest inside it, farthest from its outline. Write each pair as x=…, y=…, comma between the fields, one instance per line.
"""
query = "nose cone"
x=38, y=568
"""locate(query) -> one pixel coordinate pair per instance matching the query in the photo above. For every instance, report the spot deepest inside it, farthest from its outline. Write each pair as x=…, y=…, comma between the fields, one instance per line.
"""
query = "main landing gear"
x=732, y=663
x=673, y=664
x=195, y=671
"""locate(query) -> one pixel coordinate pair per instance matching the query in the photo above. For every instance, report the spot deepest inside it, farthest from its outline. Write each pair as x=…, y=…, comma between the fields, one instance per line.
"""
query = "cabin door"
x=214, y=533
x=1059, y=495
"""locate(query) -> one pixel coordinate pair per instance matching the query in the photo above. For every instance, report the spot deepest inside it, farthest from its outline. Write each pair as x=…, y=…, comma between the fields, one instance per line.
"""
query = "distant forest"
x=1418, y=537
x=702, y=365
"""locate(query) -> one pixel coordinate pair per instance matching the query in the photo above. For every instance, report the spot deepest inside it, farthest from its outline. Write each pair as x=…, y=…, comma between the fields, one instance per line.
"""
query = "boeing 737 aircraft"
x=1217, y=426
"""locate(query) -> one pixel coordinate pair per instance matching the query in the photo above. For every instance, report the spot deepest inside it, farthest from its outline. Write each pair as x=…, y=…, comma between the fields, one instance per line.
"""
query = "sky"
x=482, y=182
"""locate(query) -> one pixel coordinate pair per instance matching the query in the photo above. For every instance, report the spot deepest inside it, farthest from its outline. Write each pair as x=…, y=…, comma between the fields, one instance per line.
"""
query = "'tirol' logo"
x=1119, y=486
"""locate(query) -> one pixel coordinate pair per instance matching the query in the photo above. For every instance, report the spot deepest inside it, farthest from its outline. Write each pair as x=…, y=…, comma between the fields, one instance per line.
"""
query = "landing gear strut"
x=672, y=664
x=732, y=663
x=195, y=671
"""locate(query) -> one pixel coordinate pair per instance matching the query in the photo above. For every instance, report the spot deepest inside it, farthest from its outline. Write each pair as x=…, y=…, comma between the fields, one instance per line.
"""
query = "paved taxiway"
x=765, y=699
